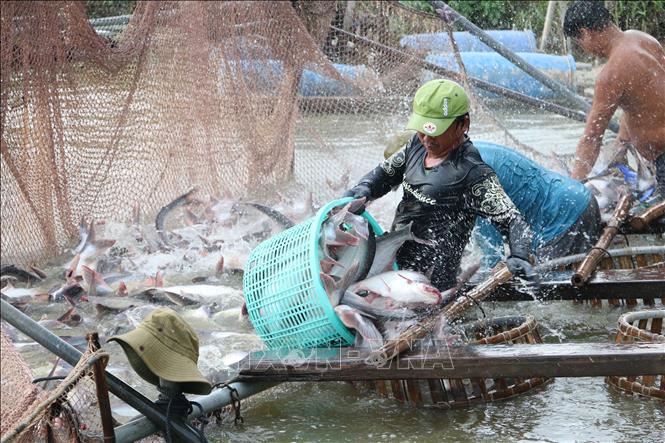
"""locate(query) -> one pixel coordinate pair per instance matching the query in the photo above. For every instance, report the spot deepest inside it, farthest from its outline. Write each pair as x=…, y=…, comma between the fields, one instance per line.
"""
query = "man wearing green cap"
x=446, y=184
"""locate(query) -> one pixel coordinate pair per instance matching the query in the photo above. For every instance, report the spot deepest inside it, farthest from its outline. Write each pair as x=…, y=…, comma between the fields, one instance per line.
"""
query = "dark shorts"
x=579, y=238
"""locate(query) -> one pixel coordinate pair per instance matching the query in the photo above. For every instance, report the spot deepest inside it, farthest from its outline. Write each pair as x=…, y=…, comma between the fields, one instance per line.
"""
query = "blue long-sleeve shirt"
x=550, y=202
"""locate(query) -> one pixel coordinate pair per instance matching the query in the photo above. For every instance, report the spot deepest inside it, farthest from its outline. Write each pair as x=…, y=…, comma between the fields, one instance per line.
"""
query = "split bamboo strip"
x=596, y=254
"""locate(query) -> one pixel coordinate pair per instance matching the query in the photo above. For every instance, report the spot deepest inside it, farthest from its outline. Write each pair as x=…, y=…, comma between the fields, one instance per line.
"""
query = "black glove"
x=521, y=268
x=359, y=191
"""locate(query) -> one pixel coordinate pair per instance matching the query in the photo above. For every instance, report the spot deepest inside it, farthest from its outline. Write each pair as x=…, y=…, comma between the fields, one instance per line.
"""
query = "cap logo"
x=445, y=107
x=429, y=127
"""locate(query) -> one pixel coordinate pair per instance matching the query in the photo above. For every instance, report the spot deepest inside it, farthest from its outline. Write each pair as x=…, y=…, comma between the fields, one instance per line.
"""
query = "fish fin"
x=346, y=281
x=345, y=238
x=328, y=284
x=122, y=289
x=38, y=272
x=73, y=266
x=404, y=277
x=190, y=218
x=219, y=267
x=67, y=314
x=369, y=332
x=92, y=234
x=159, y=279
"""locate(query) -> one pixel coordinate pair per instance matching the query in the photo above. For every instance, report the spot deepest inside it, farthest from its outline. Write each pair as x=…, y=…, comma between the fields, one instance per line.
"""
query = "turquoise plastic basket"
x=285, y=297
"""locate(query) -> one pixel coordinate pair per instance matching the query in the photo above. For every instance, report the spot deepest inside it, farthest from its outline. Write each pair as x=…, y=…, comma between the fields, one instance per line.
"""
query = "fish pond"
x=569, y=409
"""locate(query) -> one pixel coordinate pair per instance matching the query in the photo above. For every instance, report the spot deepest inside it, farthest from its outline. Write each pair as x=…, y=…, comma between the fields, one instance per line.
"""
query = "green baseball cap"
x=165, y=346
x=436, y=105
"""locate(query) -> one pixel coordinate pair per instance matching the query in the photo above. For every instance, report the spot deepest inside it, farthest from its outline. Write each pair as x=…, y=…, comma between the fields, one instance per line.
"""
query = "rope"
x=80, y=370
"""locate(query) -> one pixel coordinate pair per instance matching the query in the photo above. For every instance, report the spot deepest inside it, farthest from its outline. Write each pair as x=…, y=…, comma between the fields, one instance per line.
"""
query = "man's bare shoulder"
x=635, y=46
x=637, y=54
x=634, y=36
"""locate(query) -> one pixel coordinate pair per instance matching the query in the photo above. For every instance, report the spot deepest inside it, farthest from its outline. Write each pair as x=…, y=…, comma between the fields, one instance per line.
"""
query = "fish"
x=19, y=294
x=363, y=254
x=402, y=286
x=335, y=290
x=112, y=305
x=70, y=289
x=17, y=297
x=70, y=317
x=95, y=282
x=187, y=295
x=337, y=241
x=88, y=250
x=38, y=272
x=275, y=215
x=378, y=306
x=332, y=234
x=163, y=213
x=607, y=190
x=387, y=246
x=365, y=329
x=19, y=274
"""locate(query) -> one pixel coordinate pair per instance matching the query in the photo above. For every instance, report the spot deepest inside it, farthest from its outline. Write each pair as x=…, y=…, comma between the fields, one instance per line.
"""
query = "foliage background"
x=644, y=15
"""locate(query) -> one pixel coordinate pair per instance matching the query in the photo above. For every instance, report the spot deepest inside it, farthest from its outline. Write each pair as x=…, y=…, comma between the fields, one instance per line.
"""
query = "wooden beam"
x=471, y=361
x=605, y=284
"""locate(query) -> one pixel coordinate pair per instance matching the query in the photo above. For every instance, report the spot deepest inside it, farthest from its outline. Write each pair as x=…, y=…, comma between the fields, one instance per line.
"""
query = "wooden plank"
x=606, y=284
x=472, y=361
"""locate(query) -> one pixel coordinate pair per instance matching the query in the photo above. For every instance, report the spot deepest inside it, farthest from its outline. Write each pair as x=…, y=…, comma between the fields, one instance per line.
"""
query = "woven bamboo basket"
x=643, y=326
x=625, y=262
x=447, y=393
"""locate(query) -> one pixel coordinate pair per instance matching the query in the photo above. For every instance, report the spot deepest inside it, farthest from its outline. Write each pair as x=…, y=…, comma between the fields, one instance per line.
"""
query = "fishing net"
x=231, y=97
x=69, y=412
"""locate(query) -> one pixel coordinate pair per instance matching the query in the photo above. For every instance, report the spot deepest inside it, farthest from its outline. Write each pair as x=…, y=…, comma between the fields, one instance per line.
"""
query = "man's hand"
x=521, y=268
x=358, y=191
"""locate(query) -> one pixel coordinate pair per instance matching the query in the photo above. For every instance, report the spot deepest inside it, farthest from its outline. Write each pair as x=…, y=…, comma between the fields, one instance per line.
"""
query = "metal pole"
x=576, y=258
x=142, y=427
x=72, y=355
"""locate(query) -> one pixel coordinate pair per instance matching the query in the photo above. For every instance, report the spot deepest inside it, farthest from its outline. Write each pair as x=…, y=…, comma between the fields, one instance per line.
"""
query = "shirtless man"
x=633, y=78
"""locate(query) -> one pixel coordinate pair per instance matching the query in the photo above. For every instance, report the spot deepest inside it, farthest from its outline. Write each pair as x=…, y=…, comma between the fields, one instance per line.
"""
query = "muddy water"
x=582, y=409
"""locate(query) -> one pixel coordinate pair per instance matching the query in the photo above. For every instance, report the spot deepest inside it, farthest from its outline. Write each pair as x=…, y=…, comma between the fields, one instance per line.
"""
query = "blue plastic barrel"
x=495, y=69
x=267, y=75
x=356, y=78
x=516, y=41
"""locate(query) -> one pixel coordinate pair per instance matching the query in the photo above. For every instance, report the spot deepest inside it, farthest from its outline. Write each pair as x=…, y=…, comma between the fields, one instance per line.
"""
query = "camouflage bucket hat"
x=165, y=346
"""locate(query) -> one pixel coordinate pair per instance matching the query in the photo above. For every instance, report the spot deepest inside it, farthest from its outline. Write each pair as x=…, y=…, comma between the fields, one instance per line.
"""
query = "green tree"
x=109, y=8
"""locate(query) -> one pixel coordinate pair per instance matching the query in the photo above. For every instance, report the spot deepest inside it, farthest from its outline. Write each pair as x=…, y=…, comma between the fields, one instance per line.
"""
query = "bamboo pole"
x=642, y=221
x=99, y=373
x=590, y=262
x=393, y=348
x=549, y=18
